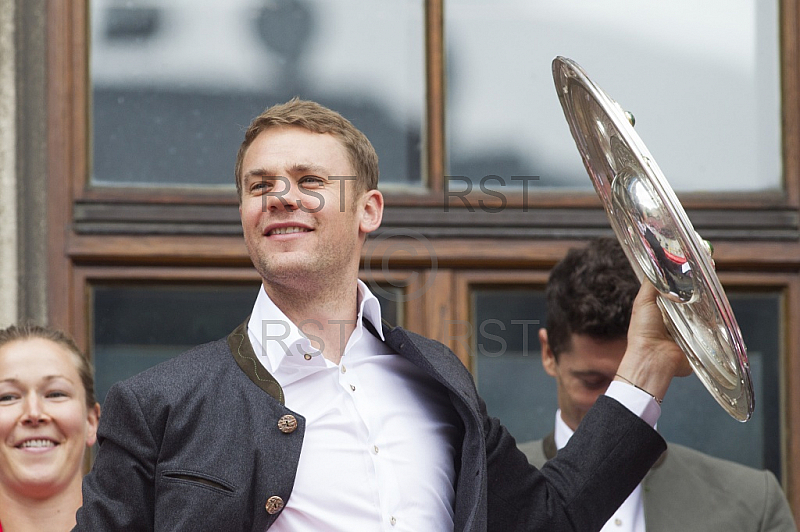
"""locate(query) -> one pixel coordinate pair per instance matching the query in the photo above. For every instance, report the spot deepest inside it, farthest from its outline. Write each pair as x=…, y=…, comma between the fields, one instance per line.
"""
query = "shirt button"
x=274, y=505
x=344, y=369
x=618, y=521
x=307, y=356
x=287, y=424
x=393, y=521
x=375, y=449
x=352, y=387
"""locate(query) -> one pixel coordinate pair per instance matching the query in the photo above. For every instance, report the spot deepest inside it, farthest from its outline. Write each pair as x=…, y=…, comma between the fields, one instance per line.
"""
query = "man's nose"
x=283, y=195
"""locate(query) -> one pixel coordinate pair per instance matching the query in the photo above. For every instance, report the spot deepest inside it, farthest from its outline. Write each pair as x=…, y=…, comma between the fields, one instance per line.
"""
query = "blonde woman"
x=48, y=419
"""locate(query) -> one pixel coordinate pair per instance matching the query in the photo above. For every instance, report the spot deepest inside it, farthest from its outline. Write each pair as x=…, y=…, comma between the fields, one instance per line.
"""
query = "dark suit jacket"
x=689, y=490
x=194, y=444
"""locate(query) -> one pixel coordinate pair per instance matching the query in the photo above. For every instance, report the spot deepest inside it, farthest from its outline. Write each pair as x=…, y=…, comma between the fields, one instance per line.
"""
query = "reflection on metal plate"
x=658, y=238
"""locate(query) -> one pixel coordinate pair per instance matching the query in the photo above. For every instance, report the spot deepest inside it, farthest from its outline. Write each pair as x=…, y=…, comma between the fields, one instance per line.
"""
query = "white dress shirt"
x=380, y=442
x=630, y=516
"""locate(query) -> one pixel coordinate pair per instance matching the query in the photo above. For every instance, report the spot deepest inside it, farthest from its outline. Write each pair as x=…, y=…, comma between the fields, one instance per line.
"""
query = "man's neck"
x=328, y=316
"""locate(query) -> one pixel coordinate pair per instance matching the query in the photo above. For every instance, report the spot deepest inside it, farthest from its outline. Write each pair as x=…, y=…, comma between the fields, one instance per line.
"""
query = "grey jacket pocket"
x=199, y=479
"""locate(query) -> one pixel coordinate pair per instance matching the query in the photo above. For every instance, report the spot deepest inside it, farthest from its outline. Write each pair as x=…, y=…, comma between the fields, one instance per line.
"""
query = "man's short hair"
x=318, y=119
x=591, y=292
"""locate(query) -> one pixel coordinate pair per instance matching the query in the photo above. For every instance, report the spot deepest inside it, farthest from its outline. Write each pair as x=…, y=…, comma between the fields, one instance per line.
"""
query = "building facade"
x=118, y=217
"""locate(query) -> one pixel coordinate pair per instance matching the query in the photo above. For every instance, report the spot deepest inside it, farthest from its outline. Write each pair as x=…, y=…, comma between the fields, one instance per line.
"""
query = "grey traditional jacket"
x=204, y=442
x=689, y=490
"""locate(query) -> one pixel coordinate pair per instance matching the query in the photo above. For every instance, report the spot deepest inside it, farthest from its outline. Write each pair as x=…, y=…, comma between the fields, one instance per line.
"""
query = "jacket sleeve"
x=579, y=489
x=777, y=514
x=118, y=493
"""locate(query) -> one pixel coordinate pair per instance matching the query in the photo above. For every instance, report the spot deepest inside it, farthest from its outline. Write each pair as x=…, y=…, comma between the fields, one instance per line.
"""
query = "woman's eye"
x=7, y=397
x=56, y=394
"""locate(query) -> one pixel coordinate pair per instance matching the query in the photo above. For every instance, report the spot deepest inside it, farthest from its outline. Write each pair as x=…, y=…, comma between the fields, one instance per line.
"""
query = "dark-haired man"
x=590, y=294
x=314, y=416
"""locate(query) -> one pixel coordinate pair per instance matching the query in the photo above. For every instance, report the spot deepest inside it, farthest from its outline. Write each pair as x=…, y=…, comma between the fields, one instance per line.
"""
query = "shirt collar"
x=369, y=309
x=277, y=340
x=563, y=432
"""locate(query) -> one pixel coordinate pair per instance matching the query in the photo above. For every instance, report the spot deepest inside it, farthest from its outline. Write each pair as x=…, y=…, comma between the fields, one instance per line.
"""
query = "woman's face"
x=45, y=426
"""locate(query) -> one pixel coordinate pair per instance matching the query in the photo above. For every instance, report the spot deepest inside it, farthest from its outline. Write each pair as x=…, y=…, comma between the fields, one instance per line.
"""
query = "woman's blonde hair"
x=30, y=331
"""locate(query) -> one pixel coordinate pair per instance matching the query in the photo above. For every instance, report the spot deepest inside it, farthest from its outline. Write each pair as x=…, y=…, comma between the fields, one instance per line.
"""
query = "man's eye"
x=7, y=397
x=594, y=384
x=311, y=181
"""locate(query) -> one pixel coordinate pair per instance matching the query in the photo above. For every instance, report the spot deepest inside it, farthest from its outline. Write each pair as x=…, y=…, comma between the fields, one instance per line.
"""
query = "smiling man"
x=304, y=218
x=590, y=295
x=314, y=415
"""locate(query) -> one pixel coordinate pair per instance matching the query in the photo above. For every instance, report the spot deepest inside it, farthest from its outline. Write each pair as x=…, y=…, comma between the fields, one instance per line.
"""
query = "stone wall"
x=8, y=164
x=23, y=161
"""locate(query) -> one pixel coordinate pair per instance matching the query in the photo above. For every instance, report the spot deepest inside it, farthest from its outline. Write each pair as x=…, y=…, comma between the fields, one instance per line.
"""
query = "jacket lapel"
x=242, y=351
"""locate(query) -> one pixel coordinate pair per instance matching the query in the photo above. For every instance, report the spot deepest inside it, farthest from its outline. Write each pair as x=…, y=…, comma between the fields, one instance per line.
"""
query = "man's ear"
x=549, y=362
x=371, y=211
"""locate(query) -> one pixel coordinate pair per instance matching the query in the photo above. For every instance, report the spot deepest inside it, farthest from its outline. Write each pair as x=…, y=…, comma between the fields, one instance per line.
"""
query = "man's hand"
x=652, y=357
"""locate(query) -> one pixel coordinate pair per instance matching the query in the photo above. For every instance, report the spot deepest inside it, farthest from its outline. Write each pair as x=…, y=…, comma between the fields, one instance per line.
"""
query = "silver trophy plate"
x=658, y=237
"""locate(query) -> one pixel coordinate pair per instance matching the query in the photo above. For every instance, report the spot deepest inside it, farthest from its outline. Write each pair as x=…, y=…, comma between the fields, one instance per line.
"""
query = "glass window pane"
x=508, y=368
x=517, y=390
x=391, y=299
x=136, y=327
x=174, y=84
x=702, y=79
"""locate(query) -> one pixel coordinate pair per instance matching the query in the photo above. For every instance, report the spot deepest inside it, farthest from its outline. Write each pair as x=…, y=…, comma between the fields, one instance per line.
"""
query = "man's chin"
x=286, y=269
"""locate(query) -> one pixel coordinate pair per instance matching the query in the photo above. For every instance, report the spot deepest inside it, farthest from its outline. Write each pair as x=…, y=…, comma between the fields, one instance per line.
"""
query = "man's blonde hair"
x=318, y=119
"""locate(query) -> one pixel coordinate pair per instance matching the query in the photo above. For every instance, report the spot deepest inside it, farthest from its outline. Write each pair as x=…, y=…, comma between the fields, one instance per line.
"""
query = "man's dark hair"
x=591, y=292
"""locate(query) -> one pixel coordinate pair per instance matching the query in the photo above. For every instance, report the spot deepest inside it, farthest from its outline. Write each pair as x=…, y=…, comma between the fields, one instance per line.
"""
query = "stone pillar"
x=23, y=161
x=8, y=163
x=31, y=167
